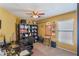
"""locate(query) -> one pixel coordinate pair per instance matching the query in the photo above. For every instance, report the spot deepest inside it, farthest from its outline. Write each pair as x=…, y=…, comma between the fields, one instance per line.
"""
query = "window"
x=65, y=31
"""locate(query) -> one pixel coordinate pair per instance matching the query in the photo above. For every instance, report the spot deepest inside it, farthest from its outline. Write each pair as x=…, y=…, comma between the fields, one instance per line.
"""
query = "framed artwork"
x=48, y=29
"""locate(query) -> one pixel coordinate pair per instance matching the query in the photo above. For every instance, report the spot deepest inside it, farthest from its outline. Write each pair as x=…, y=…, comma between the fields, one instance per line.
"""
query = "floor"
x=42, y=50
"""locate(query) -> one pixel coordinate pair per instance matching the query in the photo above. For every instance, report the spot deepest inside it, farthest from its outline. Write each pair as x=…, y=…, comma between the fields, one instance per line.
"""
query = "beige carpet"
x=42, y=50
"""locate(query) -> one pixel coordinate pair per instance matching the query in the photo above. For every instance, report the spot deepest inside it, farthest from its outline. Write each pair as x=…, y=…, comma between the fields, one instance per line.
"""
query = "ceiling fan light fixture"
x=35, y=16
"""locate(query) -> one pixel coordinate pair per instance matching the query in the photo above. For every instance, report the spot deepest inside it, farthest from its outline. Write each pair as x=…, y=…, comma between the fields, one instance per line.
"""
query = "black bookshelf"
x=34, y=31
x=24, y=31
x=25, y=40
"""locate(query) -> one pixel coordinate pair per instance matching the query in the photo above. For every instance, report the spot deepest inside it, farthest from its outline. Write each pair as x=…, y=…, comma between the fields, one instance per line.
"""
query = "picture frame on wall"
x=48, y=27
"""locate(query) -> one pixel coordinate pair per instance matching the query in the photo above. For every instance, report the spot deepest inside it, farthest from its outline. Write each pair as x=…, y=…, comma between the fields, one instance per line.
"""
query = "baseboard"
x=67, y=50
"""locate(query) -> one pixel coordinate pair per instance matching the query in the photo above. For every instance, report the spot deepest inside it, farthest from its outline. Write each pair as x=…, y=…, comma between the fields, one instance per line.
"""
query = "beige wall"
x=66, y=16
x=8, y=23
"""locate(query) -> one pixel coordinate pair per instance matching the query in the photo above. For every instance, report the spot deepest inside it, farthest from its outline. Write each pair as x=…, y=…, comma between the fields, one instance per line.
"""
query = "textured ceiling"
x=50, y=9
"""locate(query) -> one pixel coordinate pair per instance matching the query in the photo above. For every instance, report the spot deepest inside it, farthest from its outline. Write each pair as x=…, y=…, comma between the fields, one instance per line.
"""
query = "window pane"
x=65, y=37
x=65, y=25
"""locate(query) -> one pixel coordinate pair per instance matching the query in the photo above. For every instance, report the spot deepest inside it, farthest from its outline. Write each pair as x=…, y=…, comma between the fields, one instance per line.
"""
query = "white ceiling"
x=50, y=9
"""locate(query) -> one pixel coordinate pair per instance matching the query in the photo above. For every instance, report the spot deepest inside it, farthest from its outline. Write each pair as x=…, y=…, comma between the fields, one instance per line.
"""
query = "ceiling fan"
x=35, y=14
x=32, y=12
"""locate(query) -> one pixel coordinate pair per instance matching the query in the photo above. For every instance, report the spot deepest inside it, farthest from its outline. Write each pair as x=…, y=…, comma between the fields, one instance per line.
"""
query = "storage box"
x=53, y=44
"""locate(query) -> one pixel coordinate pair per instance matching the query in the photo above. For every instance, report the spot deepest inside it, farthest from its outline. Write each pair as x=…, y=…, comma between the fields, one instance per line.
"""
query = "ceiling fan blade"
x=41, y=13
